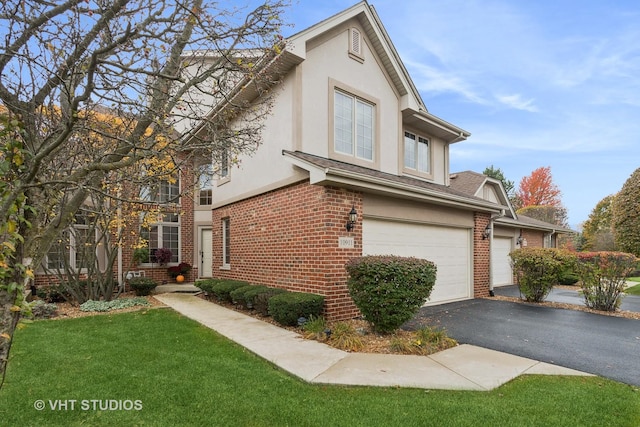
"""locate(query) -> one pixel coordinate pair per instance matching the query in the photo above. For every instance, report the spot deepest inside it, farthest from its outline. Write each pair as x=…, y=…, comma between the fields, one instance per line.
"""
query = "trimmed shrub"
x=603, y=276
x=568, y=277
x=261, y=301
x=239, y=296
x=222, y=289
x=251, y=294
x=206, y=285
x=539, y=269
x=53, y=293
x=142, y=285
x=286, y=308
x=389, y=290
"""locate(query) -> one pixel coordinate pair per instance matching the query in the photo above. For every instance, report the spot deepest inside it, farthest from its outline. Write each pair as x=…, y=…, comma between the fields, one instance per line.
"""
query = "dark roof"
x=467, y=182
x=325, y=163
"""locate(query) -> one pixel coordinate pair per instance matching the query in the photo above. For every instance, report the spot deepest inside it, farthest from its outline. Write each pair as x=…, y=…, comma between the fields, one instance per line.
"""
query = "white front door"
x=206, y=253
x=448, y=247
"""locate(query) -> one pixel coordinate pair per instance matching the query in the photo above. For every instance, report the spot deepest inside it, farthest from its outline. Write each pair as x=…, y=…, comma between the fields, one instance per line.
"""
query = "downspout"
x=500, y=215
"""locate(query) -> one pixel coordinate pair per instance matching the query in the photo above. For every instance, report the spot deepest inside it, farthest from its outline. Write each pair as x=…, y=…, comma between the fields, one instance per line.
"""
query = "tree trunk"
x=8, y=321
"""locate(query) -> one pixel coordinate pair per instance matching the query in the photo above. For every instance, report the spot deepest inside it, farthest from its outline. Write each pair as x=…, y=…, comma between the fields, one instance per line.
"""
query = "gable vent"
x=355, y=44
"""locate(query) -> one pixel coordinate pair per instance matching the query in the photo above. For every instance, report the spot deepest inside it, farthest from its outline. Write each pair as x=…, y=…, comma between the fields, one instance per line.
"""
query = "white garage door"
x=500, y=261
x=449, y=248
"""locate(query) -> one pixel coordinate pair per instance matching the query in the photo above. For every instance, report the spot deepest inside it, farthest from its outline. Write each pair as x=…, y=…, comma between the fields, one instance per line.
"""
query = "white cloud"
x=516, y=101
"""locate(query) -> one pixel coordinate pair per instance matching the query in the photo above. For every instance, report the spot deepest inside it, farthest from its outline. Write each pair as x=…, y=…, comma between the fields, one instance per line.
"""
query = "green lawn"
x=183, y=374
x=634, y=290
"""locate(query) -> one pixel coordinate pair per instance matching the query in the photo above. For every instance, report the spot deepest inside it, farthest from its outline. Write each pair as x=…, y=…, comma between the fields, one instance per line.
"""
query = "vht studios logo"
x=88, y=405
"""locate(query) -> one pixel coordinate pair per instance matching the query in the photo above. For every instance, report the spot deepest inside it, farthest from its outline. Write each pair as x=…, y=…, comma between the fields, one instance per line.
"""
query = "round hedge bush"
x=389, y=290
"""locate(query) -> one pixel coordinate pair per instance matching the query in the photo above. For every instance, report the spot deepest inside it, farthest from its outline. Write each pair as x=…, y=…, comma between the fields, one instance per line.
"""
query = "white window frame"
x=418, y=150
x=68, y=245
x=162, y=192
x=160, y=230
x=205, y=184
x=356, y=128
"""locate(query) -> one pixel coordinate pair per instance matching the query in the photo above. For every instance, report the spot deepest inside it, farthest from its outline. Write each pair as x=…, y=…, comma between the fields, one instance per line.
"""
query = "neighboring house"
x=349, y=136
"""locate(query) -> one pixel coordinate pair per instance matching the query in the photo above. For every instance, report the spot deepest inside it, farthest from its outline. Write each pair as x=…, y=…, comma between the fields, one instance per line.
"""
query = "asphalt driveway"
x=602, y=345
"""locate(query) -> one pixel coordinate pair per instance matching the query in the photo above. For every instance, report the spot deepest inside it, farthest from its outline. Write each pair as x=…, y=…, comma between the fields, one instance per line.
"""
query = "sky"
x=536, y=83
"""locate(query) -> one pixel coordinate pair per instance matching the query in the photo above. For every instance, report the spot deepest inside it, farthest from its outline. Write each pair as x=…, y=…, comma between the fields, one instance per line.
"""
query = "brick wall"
x=288, y=238
x=535, y=239
x=481, y=256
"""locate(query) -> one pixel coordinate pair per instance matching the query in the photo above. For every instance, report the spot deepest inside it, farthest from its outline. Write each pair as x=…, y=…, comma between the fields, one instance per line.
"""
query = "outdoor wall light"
x=353, y=217
x=521, y=241
x=487, y=232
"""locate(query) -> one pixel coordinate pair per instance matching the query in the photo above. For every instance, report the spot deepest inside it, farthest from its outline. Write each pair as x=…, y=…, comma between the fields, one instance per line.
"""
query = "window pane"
x=205, y=184
x=226, y=241
x=343, y=123
x=423, y=155
x=170, y=241
x=58, y=254
x=409, y=150
x=365, y=130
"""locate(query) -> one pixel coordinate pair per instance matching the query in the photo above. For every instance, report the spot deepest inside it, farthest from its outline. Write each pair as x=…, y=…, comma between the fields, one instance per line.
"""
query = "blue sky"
x=537, y=83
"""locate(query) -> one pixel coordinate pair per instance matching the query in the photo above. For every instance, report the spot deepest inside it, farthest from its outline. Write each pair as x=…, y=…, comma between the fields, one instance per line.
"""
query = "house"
x=352, y=163
x=350, y=134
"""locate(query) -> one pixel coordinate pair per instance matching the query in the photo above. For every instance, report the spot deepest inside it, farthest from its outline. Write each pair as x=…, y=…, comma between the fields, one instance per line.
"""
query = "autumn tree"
x=538, y=189
x=538, y=197
x=626, y=215
x=168, y=77
x=596, y=230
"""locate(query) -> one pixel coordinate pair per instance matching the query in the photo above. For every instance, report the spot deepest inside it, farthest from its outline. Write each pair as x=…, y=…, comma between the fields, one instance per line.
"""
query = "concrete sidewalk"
x=465, y=367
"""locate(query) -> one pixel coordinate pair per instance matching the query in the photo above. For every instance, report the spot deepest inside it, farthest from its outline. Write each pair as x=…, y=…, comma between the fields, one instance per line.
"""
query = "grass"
x=633, y=290
x=187, y=375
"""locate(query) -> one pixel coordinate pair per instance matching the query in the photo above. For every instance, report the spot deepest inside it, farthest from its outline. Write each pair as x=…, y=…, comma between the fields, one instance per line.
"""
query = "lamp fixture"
x=487, y=232
x=353, y=218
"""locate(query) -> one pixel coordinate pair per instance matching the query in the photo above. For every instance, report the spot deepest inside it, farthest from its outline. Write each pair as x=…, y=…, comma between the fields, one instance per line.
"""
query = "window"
x=76, y=248
x=226, y=242
x=416, y=153
x=163, y=234
x=162, y=191
x=353, y=126
x=205, y=184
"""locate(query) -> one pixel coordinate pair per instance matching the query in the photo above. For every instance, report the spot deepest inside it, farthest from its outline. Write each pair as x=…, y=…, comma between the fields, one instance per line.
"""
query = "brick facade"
x=288, y=238
x=535, y=239
x=481, y=256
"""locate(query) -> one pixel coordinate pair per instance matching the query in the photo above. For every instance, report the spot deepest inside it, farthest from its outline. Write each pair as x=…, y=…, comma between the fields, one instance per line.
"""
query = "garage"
x=500, y=261
x=448, y=247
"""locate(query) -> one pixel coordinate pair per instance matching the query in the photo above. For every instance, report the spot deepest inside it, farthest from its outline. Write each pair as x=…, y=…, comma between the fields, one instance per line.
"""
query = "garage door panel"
x=447, y=247
x=500, y=262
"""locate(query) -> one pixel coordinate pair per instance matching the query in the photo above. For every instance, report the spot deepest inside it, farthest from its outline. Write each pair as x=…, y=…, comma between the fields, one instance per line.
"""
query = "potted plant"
x=162, y=256
x=178, y=272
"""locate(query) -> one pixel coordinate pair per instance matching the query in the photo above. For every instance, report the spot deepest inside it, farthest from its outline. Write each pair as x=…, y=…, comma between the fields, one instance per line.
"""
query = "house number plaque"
x=346, y=242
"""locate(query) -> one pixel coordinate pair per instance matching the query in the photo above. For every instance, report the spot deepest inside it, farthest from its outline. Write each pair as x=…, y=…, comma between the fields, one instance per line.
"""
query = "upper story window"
x=417, y=154
x=162, y=191
x=353, y=126
x=205, y=184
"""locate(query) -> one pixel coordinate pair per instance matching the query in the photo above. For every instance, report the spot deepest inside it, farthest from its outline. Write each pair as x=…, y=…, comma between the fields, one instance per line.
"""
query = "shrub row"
x=284, y=306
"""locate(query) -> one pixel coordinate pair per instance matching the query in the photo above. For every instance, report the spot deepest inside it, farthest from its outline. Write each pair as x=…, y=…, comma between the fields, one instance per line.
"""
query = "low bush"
x=345, y=337
x=206, y=285
x=142, y=285
x=315, y=328
x=389, y=290
x=43, y=310
x=222, y=289
x=287, y=307
x=250, y=295
x=539, y=269
x=53, y=293
x=261, y=301
x=603, y=276
x=241, y=295
x=115, y=304
x=568, y=278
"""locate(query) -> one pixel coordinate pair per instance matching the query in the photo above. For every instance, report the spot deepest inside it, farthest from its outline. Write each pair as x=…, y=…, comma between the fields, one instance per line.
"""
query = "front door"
x=206, y=253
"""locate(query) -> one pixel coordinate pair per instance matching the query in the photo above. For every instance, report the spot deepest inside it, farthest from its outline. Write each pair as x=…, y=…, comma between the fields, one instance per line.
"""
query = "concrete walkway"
x=465, y=367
